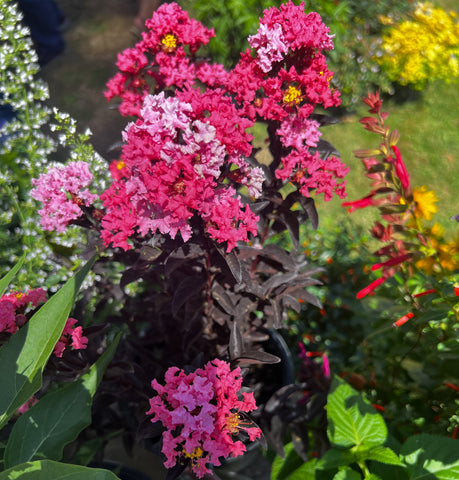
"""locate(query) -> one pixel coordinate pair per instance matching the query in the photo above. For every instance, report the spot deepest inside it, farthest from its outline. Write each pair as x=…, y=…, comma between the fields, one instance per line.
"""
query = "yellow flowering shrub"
x=422, y=49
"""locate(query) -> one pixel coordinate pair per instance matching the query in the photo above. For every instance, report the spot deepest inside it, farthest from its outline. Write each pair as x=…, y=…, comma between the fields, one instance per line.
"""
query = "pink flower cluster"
x=173, y=165
x=283, y=80
x=14, y=307
x=62, y=190
x=73, y=334
x=171, y=42
x=201, y=414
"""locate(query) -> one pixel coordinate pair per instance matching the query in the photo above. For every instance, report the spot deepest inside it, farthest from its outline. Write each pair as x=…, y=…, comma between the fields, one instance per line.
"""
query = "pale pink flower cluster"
x=269, y=44
x=201, y=414
x=62, y=190
x=172, y=164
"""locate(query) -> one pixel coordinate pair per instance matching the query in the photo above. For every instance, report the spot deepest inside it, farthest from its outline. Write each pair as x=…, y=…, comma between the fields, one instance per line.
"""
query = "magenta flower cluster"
x=187, y=156
x=171, y=164
x=14, y=308
x=201, y=412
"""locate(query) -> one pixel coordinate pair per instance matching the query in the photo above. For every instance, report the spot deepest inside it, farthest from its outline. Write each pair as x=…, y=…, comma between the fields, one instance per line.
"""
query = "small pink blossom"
x=269, y=44
x=61, y=191
x=70, y=334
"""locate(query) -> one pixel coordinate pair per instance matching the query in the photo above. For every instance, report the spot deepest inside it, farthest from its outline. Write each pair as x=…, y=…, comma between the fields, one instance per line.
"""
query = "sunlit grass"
x=429, y=126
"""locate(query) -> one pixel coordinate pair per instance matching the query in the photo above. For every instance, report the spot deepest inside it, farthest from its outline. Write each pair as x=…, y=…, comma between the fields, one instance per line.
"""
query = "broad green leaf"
x=430, y=457
x=57, y=418
x=347, y=474
x=307, y=471
x=335, y=458
x=24, y=356
x=6, y=280
x=378, y=453
x=50, y=470
x=282, y=468
x=351, y=418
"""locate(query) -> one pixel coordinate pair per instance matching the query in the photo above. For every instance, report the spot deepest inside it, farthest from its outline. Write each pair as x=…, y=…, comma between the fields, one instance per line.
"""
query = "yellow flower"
x=425, y=202
x=423, y=48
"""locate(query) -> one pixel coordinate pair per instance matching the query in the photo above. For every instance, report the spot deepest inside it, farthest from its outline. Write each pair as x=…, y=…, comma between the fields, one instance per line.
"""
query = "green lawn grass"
x=429, y=129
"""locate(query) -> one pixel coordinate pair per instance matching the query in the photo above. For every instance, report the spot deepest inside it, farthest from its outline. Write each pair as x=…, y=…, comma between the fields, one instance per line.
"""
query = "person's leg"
x=44, y=18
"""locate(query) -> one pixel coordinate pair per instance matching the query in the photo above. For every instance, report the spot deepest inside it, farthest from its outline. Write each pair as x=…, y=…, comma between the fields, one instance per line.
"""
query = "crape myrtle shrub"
x=356, y=25
x=189, y=219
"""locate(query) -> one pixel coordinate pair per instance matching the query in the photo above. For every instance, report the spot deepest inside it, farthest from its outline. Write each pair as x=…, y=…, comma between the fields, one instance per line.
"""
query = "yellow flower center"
x=169, y=42
x=232, y=423
x=18, y=295
x=292, y=95
x=196, y=453
x=120, y=165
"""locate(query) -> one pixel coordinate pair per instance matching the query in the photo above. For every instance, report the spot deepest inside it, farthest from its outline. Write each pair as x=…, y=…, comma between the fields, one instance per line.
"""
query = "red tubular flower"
x=400, y=168
x=452, y=386
x=426, y=292
x=370, y=288
x=378, y=407
x=391, y=262
x=402, y=320
x=364, y=202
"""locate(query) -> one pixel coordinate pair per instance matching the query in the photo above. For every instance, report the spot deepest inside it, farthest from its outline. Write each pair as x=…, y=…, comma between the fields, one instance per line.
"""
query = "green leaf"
x=24, y=356
x=378, y=453
x=48, y=469
x=57, y=419
x=430, y=457
x=307, y=471
x=6, y=280
x=335, y=458
x=282, y=468
x=347, y=474
x=351, y=418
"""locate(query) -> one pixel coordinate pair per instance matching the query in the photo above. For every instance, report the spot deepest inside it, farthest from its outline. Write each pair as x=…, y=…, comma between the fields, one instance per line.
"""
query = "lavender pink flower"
x=61, y=191
x=201, y=413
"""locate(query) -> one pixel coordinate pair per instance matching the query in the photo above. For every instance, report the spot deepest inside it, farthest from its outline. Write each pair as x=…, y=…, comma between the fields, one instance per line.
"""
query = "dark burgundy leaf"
x=233, y=263
x=278, y=279
x=324, y=120
x=149, y=254
x=277, y=315
x=290, y=220
x=309, y=208
x=181, y=255
x=300, y=440
x=131, y=275
x=223, y=299
x=177, y=470
x=292, y=302
x=244, y=306
x=236, y=342
x=186, y=289
x=252, y=357
x=325, y=149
